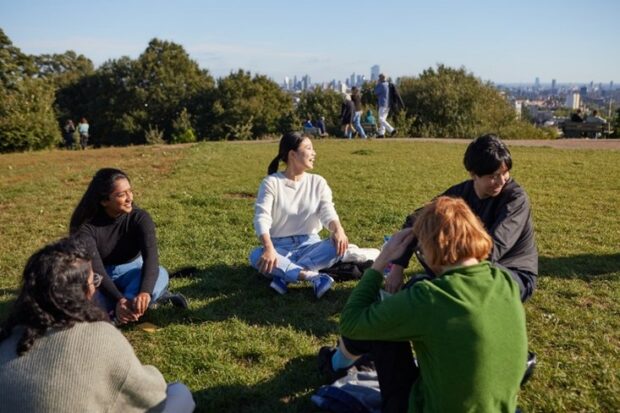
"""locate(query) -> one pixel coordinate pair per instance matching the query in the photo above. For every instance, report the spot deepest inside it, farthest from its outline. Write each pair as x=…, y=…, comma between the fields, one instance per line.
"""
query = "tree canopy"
x=164, y=96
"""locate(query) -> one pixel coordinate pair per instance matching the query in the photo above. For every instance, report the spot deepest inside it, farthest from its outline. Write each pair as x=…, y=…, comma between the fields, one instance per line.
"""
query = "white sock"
x=311, y=275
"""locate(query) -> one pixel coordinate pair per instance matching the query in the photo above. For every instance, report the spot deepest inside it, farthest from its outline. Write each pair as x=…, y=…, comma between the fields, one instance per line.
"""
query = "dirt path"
x=556, y=143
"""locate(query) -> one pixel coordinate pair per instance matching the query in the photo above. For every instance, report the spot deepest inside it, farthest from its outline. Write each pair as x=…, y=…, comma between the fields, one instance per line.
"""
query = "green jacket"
x=468, y=332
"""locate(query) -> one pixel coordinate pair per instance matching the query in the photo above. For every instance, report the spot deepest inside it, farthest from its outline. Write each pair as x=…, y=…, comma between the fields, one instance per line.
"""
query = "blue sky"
x=497, y=40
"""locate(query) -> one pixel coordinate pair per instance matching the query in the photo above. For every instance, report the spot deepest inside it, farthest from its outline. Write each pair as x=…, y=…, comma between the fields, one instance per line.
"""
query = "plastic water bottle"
x=388, y=267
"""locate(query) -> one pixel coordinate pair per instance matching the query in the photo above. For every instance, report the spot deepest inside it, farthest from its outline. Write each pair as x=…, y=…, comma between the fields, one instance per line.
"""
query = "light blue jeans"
x=296, y=253
x=128, y=278
x=357, y=123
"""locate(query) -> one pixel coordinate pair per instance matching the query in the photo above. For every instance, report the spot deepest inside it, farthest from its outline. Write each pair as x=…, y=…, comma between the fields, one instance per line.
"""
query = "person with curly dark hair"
x=121, y=239
x=60, y=353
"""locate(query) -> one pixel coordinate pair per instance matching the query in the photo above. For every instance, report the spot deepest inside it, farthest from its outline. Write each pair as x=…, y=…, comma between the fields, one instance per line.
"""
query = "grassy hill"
x=241, y=347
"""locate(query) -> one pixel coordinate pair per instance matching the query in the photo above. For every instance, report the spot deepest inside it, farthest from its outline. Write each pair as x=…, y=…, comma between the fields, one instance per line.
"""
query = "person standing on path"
x=382, y=91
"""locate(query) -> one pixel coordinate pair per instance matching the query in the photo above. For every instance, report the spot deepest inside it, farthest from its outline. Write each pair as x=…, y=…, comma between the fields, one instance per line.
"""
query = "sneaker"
x=393, y=133
x=380, y=136
x=322, y=283
x=279, y=285
x=179, y=300
x=176, y=299
x=530, y=366
x=325, y=365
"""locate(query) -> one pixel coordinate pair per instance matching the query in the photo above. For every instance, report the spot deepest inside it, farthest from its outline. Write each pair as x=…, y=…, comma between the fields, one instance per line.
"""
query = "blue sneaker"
x=279, y=285
x=322, y=284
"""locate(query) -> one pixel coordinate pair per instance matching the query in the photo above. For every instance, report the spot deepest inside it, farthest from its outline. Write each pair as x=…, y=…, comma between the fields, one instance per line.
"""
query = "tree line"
x=163, y=96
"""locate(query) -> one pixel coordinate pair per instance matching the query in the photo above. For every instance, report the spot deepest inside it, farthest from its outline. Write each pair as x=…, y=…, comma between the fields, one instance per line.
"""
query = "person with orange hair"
x=466, y=324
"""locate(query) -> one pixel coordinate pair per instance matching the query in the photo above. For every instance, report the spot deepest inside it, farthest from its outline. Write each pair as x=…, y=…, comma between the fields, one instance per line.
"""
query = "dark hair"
x=99, y=189
x=486, y=154
x=290, y=141
x=53, y=293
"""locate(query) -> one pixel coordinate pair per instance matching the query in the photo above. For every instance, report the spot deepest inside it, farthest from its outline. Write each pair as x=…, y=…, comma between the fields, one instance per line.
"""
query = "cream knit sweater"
x=90, y=367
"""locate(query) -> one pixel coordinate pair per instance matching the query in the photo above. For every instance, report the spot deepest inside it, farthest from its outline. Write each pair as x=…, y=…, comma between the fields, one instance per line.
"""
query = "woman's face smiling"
x=304, y=156
x=120, y=201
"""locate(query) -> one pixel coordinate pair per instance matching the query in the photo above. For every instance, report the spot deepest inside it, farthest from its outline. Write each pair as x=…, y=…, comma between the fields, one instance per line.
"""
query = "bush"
x=182, y=131
x=27, y=119
x=153, y=136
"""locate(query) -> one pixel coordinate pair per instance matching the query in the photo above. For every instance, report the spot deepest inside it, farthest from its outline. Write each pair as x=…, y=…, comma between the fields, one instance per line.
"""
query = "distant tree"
x=448, y=102
x=167, y=81
x=27, y=119
x=246, y=107
x=182, y=130
x=124, y=99
x=15, y=66
x=63, y=69
x=320, y=102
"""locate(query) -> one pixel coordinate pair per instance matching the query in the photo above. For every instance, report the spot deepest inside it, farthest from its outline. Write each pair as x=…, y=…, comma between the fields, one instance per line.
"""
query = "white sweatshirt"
x=285, y=208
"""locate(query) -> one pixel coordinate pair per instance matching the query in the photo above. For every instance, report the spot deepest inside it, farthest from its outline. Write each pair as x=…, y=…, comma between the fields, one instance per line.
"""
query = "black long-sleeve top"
x=114, y=241
x=508, y=220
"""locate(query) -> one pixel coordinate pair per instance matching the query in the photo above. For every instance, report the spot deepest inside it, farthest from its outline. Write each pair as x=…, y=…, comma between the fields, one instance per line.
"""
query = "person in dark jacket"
x=502, y=205
x=68, y=134
x=504, y=209
x=121, y=239
x=347, y=112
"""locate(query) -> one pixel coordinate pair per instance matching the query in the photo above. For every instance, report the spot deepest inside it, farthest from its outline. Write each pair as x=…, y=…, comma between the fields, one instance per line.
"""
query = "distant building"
x=352, y=81
x=573, y=100
x=537, y=83
x=374, y=73
x=518, y=106
x=553, y=86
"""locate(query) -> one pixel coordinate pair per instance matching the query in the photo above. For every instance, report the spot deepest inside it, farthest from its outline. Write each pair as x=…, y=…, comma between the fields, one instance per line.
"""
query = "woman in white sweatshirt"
x=291, y=208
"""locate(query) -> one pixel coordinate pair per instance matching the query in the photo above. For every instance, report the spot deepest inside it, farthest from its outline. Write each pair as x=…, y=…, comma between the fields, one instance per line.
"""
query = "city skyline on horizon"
x=501, y=43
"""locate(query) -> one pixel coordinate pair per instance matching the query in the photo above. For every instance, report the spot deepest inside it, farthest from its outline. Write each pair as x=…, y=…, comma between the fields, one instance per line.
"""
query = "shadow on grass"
x=282, y=393
x=6, y=303
x=221, y=292
x=588, y=267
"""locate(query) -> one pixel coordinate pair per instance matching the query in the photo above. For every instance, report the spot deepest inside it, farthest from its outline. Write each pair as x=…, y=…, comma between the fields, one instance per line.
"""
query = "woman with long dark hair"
x=122, y=240
x=291, y=208
x=59, y=352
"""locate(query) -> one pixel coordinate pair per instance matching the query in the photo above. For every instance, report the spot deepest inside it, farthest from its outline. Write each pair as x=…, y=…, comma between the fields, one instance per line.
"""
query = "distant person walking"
x=356, y=97
x=68, y=133
x=83, y=130
x=382, y=91
x=347, y=111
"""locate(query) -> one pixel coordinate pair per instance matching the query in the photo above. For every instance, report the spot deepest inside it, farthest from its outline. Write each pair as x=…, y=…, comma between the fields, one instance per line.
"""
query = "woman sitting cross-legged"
x=59, y=352
x=467, y=324
x=291, y=208
x=121, y=239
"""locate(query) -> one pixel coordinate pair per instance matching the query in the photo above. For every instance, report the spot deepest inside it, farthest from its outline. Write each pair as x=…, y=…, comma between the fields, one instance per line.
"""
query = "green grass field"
x=243, y=348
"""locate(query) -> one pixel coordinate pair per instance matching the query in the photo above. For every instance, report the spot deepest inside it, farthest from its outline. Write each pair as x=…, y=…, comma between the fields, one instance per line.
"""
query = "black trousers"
x=396, y=370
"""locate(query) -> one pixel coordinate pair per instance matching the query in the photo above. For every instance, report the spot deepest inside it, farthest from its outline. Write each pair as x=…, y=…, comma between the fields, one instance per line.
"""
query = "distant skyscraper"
x=553, y=86
x=611, y=85
x=352, y=80
x=573, y=100
x=374, y=72
x=537, y=83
